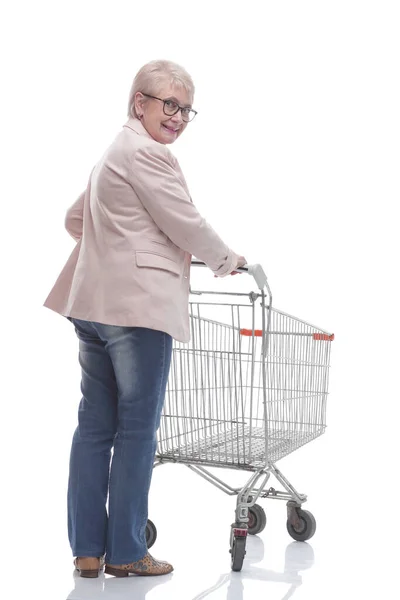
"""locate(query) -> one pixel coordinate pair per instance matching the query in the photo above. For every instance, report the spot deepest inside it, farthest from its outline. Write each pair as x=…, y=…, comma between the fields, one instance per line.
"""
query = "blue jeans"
x=124, y=377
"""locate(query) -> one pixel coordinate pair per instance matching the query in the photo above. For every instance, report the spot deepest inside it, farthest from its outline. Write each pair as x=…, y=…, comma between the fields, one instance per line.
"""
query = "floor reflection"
x=115, y=588
x=298, y=557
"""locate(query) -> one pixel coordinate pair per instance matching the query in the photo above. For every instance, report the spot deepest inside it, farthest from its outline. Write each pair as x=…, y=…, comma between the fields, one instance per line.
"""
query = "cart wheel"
x=151, y=533
x=306, y=527
x=257, y=519
x=238, y=553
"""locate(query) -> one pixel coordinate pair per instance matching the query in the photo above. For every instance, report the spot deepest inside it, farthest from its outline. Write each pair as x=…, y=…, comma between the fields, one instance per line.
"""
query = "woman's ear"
x=139, y=100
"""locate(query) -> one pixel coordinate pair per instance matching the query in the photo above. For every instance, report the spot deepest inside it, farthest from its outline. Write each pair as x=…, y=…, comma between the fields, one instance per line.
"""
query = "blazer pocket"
x=157, y=261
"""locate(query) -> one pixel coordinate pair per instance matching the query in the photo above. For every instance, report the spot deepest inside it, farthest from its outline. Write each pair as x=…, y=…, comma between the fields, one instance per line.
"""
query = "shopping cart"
x=248, y=389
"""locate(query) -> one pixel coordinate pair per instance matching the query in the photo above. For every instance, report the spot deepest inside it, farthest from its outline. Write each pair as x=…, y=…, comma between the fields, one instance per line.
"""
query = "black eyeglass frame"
x=180, y=108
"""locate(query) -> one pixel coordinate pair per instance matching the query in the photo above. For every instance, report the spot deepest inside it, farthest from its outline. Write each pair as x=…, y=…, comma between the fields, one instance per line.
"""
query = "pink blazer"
x=136, y=229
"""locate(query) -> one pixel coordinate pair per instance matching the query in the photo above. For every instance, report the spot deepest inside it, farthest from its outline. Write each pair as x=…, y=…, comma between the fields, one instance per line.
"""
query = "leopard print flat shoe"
x=146, y=566
x=88, y=566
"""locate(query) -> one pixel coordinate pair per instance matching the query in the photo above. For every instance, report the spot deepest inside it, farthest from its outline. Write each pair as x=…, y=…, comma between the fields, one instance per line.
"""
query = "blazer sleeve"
x=74, y=218
x=163, y=195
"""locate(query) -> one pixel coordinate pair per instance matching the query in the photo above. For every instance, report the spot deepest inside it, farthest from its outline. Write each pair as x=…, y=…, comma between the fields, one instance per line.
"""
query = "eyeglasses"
x=171, y=108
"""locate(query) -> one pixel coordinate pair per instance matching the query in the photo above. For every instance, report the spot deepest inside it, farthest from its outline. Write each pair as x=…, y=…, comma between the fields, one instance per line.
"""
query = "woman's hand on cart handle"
x=255, y=271
x=242, y=262
x=239, y=267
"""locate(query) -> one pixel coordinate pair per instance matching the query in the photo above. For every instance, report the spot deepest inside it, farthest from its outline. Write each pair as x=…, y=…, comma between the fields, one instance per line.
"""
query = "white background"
x=294, y=160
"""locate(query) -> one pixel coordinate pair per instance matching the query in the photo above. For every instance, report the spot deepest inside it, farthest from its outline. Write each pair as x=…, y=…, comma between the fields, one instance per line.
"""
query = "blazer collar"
x=135, y=124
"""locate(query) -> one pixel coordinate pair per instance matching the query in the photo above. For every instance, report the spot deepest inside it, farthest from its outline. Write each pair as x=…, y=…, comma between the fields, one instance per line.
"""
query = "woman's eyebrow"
x=177, y=101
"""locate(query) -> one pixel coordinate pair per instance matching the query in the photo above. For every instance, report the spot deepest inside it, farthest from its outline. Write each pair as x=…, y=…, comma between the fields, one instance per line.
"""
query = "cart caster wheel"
x=257, y=519
x=306, y=527
x=151, y=533
x=238, y=553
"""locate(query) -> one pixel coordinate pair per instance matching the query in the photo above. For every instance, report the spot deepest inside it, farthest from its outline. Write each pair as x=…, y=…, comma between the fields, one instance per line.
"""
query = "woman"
x=125, y=288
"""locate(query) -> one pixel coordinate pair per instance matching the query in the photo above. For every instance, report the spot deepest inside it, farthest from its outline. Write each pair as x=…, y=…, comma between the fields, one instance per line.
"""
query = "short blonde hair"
x=153, y=75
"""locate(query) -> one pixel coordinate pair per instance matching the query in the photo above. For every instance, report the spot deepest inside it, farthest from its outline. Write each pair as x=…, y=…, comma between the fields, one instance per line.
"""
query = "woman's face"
x=163, y=128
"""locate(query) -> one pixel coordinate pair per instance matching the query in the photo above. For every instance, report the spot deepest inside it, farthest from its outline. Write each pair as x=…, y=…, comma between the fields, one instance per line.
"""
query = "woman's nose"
x=177, y=117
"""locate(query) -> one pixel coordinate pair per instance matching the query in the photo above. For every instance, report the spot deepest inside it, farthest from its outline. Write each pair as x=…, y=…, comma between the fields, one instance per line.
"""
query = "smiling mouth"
x=170, y=129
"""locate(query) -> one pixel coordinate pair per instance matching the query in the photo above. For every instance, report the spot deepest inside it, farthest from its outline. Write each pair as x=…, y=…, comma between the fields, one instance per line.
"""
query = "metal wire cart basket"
x=249, y=388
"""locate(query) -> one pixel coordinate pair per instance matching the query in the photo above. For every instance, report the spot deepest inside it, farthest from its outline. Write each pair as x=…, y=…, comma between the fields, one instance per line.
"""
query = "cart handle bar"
x=316, y=336
x=255, y=270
